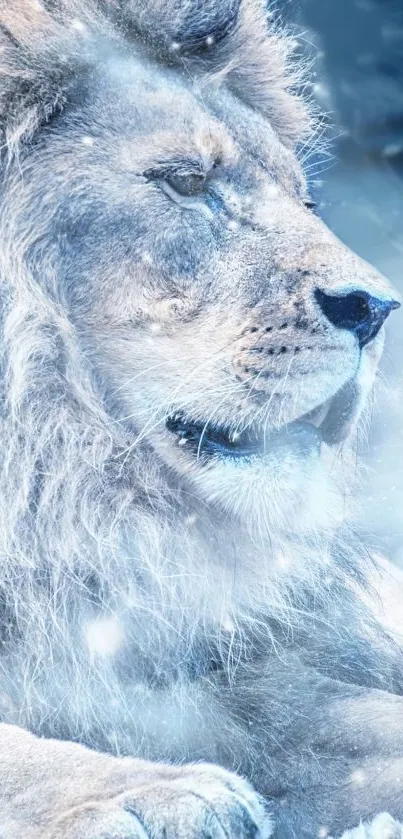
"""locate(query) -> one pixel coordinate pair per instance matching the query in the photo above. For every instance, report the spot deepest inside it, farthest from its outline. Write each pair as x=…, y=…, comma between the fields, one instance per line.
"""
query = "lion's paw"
x=382, y=827
x=200, y=802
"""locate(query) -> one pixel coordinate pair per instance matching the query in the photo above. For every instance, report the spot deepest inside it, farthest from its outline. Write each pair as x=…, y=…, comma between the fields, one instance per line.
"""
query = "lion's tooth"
x=318, y=415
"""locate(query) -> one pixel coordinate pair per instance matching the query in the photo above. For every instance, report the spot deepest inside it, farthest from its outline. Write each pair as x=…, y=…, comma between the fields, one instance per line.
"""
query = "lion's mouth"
x=207, y=440
x=331, y=423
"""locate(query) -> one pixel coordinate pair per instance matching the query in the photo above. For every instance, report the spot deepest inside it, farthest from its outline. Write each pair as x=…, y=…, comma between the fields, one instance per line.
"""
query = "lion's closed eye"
x=184, y=183
x=190, y=189
x=184, y=178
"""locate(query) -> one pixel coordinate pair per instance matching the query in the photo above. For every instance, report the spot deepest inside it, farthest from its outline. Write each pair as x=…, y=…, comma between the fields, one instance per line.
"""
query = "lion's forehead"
x=145, y=114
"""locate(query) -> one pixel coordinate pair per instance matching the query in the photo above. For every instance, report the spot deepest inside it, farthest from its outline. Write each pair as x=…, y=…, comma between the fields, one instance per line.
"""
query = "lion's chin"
x=284, y=491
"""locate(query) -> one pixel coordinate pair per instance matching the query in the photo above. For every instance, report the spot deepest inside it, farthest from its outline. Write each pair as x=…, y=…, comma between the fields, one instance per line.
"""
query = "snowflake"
x=78, y=25
x=358, y=777
x=104, y=636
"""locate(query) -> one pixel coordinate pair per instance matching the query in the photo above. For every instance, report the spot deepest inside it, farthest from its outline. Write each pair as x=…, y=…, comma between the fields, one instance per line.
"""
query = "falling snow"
x=104, y=637
x=78, y=25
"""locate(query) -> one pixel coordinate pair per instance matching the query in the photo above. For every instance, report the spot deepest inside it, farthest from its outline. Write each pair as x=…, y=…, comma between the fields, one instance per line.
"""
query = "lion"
x=195, y=642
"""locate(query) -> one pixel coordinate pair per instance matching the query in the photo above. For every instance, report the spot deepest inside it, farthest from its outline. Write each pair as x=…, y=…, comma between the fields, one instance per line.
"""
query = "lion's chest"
x=121, y=680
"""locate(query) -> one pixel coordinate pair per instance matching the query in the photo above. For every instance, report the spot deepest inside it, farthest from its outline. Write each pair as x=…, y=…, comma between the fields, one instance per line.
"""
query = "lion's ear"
x=180, y=26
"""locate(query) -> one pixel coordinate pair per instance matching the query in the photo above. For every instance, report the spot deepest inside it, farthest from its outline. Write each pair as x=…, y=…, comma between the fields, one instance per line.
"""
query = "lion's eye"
x=179, y=181
x=186, y=184
x=311, y=205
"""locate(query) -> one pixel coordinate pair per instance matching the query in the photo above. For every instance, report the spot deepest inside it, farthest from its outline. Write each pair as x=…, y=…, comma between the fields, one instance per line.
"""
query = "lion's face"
x=231, y=331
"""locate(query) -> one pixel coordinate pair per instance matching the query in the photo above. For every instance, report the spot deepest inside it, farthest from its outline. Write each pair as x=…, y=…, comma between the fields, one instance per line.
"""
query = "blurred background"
x=357, y=48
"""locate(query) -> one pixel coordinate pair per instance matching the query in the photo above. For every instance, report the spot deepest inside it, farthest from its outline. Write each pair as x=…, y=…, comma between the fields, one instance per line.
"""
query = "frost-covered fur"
x=158, y=258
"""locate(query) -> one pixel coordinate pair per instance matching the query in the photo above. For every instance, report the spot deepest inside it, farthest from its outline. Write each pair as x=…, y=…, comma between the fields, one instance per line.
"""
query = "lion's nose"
x=357, y=311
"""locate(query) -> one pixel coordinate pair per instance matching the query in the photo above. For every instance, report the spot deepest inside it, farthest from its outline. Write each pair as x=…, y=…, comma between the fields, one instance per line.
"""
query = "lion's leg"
x=326, y=754
x=55, y=790
x=382, y=827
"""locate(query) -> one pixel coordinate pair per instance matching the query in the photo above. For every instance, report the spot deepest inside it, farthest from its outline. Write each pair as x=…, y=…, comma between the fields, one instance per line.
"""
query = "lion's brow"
x=190, y=151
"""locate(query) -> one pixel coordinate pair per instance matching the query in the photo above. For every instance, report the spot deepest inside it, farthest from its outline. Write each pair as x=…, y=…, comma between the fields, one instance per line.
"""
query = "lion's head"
x=163, y=264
